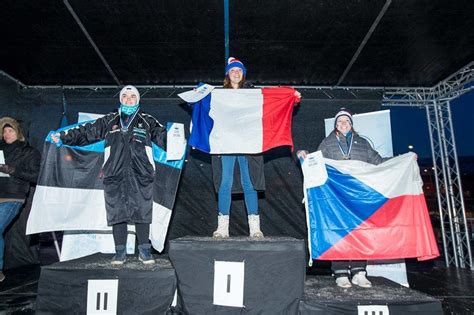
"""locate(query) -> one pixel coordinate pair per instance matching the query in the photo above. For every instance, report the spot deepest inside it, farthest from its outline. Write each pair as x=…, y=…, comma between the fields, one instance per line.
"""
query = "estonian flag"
x=360, y=211
x=69, y=194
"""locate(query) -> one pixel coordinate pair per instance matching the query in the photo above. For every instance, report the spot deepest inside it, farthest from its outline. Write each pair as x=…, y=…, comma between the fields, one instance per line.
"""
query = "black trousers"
x=120, y=233
x=341, y=267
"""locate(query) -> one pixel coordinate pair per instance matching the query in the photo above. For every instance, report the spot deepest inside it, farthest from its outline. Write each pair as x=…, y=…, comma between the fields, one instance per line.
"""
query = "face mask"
x=128, y=110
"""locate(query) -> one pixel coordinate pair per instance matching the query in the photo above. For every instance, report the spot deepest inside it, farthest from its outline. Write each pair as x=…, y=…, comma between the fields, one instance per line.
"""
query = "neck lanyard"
x=122, y=125
x=345, y=156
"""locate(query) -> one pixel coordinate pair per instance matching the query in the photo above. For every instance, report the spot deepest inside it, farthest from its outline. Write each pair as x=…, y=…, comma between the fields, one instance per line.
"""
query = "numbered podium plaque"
x=239, y=275
x=90, y=285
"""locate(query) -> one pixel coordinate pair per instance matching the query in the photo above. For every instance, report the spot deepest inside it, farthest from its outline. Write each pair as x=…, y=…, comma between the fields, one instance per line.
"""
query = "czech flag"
x=360, y=211
x=247, y=121
x=69, y=195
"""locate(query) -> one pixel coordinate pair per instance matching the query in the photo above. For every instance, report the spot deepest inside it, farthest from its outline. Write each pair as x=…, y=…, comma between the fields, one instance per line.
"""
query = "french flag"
x=360, y=211
x=245, y=121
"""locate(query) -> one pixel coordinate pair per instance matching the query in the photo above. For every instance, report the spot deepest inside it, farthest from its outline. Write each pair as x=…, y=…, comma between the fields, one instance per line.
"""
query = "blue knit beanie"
x=235, y=63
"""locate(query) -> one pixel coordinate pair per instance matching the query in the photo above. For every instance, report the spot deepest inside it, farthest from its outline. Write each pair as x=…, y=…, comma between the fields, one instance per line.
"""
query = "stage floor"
x=455, y=288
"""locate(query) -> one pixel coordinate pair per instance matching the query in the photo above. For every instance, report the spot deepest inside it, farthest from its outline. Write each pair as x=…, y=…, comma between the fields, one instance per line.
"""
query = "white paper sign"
x=102, y=296
x=372, y=309
x=375, y=127
x=196, y=94
x=2, y=161
x=78, y=244
x=229, y=283
x=176, y=142
x=314, y=170
x=394, y=270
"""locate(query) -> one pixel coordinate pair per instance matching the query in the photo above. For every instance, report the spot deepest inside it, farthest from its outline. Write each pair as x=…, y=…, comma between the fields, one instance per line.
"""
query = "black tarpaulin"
x=393, y=43
x=273, y=278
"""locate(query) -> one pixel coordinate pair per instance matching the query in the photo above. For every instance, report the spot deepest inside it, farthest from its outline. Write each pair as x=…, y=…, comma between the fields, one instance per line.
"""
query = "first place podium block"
x=90, y=285
x=239, y=275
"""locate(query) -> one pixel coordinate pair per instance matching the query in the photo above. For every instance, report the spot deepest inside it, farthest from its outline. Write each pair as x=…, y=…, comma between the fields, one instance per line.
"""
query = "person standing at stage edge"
x=343, y=143
x=128, y=168
x=250, y=167
x=19, y=168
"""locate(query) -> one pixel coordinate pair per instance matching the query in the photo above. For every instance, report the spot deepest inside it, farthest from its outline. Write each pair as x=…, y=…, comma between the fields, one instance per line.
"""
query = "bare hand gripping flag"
x=360, y=211
x=242, y=120
x=69, y=194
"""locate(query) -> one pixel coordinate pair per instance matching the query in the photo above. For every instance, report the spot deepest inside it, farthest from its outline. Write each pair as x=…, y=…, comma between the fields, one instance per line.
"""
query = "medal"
x=345, y=156
x=124, y=127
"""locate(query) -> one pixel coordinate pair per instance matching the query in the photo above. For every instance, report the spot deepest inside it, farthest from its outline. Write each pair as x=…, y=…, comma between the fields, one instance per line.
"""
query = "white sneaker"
x=361, y=280
x=343, y=282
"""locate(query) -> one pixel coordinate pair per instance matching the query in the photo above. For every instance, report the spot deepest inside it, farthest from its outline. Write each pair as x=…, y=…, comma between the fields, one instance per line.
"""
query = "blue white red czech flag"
x=360, y=211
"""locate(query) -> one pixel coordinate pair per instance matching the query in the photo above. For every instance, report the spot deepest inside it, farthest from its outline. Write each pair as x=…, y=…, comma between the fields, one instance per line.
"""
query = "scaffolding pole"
x=436, y=100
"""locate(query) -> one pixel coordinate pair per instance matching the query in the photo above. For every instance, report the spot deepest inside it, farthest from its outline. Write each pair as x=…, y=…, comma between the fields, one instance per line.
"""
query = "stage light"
x=410, y=147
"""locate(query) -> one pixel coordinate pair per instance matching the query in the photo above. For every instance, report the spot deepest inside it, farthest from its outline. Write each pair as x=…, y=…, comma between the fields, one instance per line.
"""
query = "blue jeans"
x=8, y=211
x=225, y=190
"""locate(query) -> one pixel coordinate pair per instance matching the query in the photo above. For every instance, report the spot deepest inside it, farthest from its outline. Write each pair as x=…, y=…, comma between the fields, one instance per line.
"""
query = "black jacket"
x=128, y=168
x=257, y=175
x=25, y=162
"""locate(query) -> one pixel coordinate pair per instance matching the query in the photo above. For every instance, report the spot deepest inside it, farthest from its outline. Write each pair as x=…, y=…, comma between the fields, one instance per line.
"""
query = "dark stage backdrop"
x=195, y=212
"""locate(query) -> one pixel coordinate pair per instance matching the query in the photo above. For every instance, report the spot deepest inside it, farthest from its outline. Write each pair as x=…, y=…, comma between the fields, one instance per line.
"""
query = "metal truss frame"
x=436, y=100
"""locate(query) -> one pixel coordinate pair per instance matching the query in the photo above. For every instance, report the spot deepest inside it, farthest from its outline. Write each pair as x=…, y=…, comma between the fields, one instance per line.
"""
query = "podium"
x=239, y=275
x=322, y=296
x=91, y=285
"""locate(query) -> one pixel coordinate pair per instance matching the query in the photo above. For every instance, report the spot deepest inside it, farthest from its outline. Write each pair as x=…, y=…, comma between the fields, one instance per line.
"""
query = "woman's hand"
x=301, y=154
x=298, y=94
x=55, y=137
x=6, y=169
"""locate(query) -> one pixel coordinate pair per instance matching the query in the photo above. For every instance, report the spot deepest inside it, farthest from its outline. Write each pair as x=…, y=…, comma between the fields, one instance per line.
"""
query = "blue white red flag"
x=360, y=211
x=243, y=120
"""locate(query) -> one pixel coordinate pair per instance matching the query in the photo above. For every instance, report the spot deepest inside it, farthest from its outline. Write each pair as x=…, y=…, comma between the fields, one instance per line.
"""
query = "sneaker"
x=2, y=276
x=144, y=254
x=120, y=255
x=361, y=280
x=343, y=282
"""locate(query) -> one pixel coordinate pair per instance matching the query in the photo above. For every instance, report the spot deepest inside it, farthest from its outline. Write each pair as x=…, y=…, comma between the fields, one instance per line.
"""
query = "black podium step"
x=239, y=275
x=323, y=296
x=91, y=283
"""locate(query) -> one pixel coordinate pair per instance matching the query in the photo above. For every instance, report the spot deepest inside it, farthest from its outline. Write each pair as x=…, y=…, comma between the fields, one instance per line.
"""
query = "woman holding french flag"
x=250, y=167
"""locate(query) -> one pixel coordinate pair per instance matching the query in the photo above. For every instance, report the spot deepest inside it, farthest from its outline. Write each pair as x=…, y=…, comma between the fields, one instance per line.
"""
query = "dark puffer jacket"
x=128, y=163
x=24, y=161
x=361, y=149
